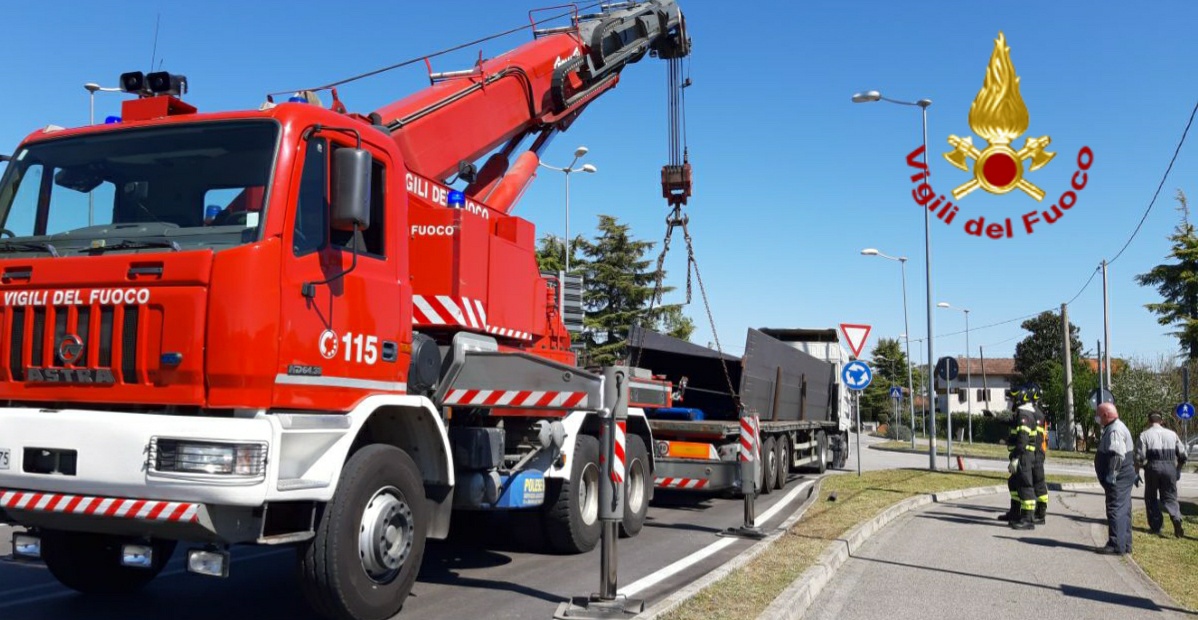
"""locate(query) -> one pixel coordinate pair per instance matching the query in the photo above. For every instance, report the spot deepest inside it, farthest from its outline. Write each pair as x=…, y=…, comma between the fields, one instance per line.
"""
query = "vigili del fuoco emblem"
x=999, y=116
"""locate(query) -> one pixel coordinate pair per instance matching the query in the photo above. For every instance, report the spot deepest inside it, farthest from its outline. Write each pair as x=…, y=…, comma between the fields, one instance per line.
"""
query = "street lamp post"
x=968, y=367
x=922, y=104
x=588, y=168
x=91, y=88
x=906, y=326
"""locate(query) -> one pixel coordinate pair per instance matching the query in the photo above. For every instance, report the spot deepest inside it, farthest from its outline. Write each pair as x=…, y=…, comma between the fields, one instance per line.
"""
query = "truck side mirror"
x=351, y=189
x=351, y=203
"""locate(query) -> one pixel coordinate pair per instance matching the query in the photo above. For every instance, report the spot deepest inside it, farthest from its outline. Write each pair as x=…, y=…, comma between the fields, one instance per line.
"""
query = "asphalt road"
x=484, y=571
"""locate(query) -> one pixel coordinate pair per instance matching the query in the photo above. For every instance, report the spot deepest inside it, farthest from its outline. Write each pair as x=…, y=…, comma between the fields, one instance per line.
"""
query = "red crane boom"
x=536, y=89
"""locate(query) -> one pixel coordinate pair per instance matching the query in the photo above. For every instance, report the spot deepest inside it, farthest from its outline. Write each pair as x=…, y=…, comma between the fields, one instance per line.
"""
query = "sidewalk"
x=956, y=560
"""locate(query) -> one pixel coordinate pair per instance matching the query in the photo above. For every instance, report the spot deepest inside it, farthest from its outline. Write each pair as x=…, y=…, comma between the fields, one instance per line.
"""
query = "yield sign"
x=856, y=335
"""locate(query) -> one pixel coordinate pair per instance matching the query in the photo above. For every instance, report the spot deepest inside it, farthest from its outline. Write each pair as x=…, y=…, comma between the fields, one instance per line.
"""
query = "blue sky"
x=791, y=179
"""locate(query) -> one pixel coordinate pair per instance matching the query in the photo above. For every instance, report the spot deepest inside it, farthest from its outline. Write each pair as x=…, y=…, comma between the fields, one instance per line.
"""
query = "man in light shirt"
x=1160, y=453
x=1116, y=470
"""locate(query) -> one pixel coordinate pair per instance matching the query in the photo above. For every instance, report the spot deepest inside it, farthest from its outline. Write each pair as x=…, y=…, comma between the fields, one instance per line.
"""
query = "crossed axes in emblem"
x=1033, y=148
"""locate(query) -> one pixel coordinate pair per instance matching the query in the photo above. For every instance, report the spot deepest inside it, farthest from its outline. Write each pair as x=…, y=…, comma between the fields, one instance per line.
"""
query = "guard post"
x=750, y=467
x=613, y=424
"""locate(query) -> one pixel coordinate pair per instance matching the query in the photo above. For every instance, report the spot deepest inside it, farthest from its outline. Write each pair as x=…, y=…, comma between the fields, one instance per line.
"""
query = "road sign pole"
x=948, y=420
x=857, y=406
x=856, y=375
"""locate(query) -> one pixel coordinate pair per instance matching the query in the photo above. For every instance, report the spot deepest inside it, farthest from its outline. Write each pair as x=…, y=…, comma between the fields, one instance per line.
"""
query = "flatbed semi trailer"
x=793, y=397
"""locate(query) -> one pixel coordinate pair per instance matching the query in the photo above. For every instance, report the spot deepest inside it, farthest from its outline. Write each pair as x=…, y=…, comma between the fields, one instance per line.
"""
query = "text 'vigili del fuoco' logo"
x=999, y=116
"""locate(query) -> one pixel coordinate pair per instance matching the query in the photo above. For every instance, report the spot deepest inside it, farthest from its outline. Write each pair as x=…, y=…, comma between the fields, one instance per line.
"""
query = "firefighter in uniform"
x=1160, y=453
x=1032, y=397
x=1021, y=447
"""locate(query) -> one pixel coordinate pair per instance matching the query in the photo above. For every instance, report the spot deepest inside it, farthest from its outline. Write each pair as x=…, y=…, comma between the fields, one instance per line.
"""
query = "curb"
x=794, y=601
x=675, y=600
x=1058, y=461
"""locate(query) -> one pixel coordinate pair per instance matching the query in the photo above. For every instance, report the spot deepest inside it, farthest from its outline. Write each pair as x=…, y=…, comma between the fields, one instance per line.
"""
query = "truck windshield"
x=199, y=185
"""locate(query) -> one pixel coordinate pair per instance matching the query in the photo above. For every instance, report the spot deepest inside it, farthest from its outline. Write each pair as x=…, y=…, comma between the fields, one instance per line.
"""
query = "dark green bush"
x=986, y=429
x=898, y=432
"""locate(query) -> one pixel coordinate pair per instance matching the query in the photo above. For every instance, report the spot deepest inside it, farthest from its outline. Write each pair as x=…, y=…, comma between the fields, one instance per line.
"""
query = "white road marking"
x=666, y=572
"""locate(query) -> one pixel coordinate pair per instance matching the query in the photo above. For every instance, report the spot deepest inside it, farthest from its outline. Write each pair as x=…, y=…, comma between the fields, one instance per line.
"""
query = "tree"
x=673, y=322
x=1177, y=284
x=890, y=368
x=1142, y=387
x=1043, y=344
x=551, y=254
x=617, y=290
x=1052, y=398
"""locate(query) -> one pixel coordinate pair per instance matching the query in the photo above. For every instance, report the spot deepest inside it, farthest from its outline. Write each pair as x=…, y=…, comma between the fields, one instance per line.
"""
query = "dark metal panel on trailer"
x=707, y=389
x=779, y=382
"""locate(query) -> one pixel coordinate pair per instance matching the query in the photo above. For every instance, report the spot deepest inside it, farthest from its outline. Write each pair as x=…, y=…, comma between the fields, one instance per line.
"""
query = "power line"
x=447, y=50
x=1161, y=185
x=1084, y=286
x=995, y=344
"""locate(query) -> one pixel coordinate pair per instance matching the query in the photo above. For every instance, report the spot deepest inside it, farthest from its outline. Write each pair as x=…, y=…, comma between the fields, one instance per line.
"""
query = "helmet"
x=1033, y=392
x=1029, y=393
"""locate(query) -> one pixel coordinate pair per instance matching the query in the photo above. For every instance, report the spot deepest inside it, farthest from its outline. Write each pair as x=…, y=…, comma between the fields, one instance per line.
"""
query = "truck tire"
x=91, y=563
x=369, y=540
x=572, y=507
x=769, y=463
x=841, y=455
x=821, y=447
x=783, y=449
x=638, y=483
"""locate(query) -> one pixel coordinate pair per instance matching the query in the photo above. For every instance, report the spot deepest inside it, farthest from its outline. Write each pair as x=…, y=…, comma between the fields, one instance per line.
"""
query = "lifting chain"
x=677, y=219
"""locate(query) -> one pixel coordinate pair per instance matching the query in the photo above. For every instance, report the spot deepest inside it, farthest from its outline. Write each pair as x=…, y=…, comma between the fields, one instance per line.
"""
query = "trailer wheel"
x=783, y=448
x=840, y=454
x=637, y=485
x=91, y=563
x=769, y=463
x=370, y=538
x=572, y=516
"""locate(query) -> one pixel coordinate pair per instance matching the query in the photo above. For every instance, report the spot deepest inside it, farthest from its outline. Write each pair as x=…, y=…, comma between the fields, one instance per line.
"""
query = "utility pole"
x=1072, y=445
x=1106, y=326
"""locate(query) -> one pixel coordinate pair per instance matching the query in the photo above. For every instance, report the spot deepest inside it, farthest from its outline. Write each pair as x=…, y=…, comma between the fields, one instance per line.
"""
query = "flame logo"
x=999, y=115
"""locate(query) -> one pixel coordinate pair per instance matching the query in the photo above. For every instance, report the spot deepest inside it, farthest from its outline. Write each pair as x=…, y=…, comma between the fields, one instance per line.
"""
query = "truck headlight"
x=208, y=457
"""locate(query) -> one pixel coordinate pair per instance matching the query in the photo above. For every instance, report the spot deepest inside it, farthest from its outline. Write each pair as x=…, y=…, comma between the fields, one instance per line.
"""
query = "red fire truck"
x=286, y=326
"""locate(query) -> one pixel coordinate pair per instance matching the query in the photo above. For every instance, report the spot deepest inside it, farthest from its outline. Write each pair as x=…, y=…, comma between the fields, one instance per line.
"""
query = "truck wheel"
x=783, y=448
x=91, y=563
x=769, y=463
x=572, y=515
x=369, y=540
x=821, y=447
x=840, y=456
x=637, y=486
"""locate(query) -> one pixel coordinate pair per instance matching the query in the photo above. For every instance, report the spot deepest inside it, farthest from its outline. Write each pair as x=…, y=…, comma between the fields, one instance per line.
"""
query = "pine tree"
x=551, y=254
x=1177, y=284
x=616, y=292
x=889, y=365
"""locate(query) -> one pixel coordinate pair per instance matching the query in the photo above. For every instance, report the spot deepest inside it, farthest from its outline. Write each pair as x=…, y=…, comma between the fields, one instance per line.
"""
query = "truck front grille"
x=109, y=334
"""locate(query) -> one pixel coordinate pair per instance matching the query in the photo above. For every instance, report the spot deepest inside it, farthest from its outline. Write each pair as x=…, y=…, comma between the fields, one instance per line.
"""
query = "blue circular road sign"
x=856, y=375
x=1185, y=411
